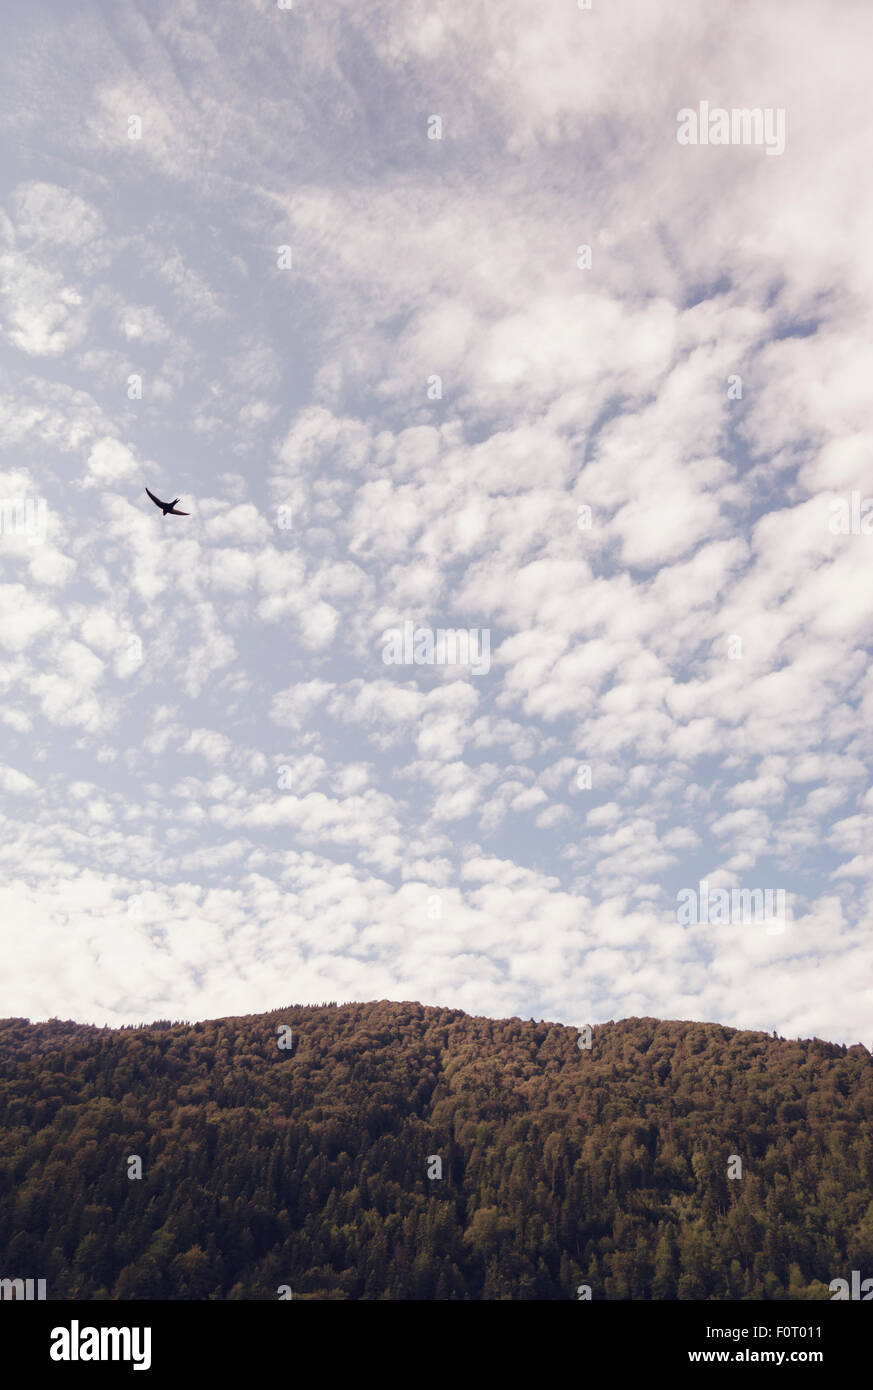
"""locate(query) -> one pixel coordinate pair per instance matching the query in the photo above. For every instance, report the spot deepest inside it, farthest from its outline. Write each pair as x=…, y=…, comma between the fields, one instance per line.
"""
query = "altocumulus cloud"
x=533, y=368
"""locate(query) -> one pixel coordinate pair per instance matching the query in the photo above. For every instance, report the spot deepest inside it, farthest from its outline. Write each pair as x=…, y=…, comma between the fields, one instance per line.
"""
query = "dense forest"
x=391, y=1151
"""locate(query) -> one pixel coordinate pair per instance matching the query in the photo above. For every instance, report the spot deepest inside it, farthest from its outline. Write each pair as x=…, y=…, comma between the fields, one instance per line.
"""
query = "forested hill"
x=313, y=1167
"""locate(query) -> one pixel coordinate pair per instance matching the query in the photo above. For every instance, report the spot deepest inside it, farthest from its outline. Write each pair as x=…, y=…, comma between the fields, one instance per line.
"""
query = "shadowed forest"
x=305, y=1168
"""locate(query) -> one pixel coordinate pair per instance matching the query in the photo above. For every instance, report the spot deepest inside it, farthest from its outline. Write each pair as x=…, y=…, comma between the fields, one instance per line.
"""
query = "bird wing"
x=157, y=501
x=174, y=512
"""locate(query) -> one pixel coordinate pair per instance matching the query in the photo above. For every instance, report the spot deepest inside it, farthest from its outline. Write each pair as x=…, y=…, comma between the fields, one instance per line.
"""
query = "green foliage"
x=308, y=1167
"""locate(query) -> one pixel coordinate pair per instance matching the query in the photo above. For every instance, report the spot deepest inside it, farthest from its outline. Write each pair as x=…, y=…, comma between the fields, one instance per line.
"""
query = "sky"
x=436, y=320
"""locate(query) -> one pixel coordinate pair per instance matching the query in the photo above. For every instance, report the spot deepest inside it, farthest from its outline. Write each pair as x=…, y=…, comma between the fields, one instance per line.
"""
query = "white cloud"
x=680, y=688
x=109, y=462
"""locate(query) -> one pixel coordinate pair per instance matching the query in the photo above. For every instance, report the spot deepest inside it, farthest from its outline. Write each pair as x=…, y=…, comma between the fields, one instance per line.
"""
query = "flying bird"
x=168, y=508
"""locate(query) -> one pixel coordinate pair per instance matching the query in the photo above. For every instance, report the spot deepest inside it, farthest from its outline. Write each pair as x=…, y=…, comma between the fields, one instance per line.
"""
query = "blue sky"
x=217, y=797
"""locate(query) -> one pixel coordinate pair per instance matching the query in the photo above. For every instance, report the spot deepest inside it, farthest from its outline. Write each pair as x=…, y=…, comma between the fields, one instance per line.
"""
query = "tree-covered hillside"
x=314, y=1167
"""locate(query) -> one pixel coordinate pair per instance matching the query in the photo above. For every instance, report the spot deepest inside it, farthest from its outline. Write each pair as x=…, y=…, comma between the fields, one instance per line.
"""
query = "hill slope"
x=308, y=1167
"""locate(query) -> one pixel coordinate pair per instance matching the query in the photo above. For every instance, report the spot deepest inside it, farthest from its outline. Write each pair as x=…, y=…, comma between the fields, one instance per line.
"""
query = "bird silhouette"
x=168, y=508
